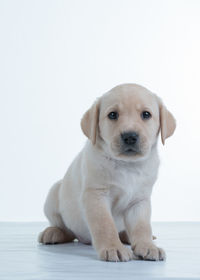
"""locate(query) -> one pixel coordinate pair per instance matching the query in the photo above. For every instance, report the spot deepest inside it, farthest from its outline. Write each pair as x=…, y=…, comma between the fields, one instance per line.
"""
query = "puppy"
x=104, y=198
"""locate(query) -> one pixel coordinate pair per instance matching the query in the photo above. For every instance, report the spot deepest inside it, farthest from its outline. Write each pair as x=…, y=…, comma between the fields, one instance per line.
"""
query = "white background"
x=56, y=57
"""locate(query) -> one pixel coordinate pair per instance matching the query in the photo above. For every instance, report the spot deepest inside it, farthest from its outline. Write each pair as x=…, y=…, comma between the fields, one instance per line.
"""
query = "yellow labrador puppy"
x=104, y=198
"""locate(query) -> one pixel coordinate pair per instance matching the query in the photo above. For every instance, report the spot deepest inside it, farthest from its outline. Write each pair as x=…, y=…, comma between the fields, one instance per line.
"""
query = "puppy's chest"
x=129, y=187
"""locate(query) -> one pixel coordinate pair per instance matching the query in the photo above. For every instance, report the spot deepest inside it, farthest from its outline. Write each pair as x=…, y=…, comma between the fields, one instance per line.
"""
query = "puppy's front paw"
x=148, y=251
x=118, y=253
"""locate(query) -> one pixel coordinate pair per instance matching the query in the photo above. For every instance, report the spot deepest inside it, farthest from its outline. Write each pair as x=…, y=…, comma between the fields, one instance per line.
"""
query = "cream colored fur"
x=104, y=198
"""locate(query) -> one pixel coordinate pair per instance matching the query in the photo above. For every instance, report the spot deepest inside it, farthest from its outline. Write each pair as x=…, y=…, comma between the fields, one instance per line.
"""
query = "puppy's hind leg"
x=56, y=235
x=57, y=232
x=124, y=237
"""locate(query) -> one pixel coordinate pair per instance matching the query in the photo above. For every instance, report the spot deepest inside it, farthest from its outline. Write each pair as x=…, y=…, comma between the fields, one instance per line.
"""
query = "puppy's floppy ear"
x=167, y=122
x=90, y=121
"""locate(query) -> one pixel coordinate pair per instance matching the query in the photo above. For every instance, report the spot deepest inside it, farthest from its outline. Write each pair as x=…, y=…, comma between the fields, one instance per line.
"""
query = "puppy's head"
x=126, y=121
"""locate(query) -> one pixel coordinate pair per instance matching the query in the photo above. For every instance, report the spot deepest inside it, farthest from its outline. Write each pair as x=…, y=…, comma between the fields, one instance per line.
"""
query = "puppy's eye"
x=145, y=115
x=113, y=115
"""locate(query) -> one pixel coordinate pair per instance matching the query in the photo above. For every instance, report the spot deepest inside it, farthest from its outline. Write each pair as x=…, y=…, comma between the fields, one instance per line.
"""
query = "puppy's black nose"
x=130, y=138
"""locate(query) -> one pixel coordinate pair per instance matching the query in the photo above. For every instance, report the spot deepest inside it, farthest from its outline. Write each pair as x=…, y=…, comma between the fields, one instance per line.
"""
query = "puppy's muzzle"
x=129, y=142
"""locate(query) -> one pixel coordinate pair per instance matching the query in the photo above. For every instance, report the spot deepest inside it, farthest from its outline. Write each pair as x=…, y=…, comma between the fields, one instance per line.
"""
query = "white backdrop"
x=56, y=57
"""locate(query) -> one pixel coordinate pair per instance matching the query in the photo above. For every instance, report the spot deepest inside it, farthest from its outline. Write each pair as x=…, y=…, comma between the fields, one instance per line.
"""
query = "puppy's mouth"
x=123, y=151
x=130, y=151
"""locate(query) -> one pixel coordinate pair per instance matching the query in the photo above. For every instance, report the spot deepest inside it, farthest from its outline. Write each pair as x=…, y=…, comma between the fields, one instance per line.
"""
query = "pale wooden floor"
x=21, y=257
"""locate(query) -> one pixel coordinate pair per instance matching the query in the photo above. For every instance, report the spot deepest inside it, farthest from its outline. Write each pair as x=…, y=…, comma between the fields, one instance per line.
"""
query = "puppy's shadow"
x=73, y=249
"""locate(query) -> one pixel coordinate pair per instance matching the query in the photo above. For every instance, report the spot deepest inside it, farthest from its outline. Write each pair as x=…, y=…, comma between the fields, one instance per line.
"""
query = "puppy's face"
x=126, y=121
x=129, y=122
